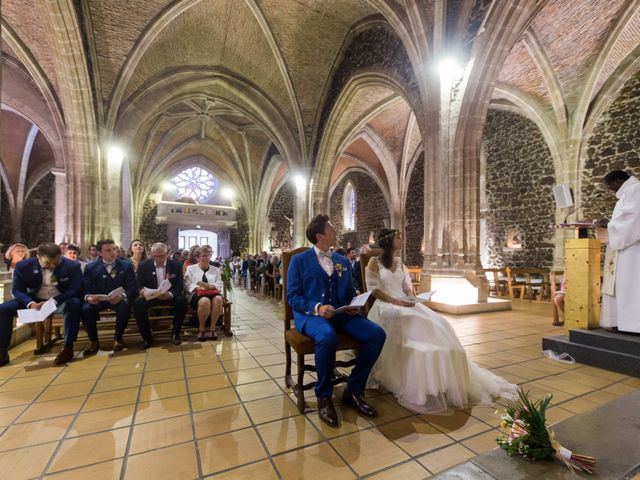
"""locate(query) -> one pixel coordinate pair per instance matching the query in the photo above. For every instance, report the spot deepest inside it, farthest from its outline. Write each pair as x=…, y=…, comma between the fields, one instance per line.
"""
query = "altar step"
x=609, y=433
x=615, y=351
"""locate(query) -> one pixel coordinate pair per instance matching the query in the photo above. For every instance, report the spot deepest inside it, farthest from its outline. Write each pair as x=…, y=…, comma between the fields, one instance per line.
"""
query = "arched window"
x=349, y=207
x=195, y=183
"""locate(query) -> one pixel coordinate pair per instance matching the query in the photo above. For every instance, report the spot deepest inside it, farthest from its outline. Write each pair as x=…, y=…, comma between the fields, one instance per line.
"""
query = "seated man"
x=151, y=273
x=102, y=277
x=73, y=253
x=318, y=283
x=36, y=280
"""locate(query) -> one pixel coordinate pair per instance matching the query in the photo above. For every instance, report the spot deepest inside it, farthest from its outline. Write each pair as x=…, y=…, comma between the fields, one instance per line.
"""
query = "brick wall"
x=414, y=214
x=282, y=205
x=519, y=179
x=149, y=231
x=371, y=210
x=613, y=145
x=38, y=217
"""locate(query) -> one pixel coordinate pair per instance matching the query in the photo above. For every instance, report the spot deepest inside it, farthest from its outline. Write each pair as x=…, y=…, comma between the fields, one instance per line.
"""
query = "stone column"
x=300, y=213
x=60, y=205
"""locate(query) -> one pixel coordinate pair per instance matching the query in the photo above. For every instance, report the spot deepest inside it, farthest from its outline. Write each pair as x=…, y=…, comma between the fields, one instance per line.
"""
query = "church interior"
x=479, y=131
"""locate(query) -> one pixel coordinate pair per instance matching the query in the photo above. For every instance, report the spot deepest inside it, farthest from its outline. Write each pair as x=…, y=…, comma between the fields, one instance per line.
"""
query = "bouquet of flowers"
x=525, y=433
x=227, y=275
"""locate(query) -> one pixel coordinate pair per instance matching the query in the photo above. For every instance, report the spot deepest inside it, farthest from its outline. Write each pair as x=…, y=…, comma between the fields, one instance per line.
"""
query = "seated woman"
x=204, y=283
x=423, y=362
x=137, y=253
x=15, y=253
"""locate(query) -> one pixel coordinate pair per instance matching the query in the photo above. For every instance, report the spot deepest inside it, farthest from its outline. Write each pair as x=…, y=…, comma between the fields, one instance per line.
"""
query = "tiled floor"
x=220, y=410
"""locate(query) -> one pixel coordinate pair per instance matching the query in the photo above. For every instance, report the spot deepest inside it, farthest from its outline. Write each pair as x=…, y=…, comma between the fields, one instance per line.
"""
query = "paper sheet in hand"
x=109, y=296
x=31, y=315
x=151, y=293
x=357, y=302
x=421, y=297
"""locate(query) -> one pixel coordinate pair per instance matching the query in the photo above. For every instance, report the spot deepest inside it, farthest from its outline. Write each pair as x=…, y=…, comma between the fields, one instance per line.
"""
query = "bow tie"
x=325, y=254
x=108, y=264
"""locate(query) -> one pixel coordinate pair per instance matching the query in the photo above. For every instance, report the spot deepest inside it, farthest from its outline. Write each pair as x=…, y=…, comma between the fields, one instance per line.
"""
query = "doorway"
x=189, y=238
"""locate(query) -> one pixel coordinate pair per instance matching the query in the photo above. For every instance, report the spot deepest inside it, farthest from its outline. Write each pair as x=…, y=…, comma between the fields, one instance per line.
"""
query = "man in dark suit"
x=318, y=283
x=35, y=281
x=102, y=277
x=151, y=273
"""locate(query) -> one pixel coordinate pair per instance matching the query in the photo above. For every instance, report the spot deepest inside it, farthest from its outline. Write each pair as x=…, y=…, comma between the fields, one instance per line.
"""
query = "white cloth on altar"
x=423, y=362
x=620, y=298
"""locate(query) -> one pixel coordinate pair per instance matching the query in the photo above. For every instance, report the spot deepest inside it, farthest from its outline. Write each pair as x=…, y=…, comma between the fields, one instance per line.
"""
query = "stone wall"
x=5, y=214
x=371, y=210
x=519, y=179
x=150, y=232
x=38, y=217
x=414, y=215
x=613, y=145
x=239, y=241
x=281, y=227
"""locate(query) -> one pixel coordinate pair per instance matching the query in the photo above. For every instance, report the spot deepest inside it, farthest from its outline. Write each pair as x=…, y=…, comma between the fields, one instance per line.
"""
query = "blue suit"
x=96, y=280
x=307, y=286
x=27, y=280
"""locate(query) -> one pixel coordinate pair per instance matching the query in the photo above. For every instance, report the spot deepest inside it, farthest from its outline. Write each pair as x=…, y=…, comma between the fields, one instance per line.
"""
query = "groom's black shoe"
x=327, y=412
x=357, y=401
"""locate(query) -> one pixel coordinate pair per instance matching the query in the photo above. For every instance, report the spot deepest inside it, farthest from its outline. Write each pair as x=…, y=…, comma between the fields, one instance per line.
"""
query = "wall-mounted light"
x=450, y=69
x=115, y=156
x=300, y=182
x=227, y=193
x=198, y=227
x=167, y=186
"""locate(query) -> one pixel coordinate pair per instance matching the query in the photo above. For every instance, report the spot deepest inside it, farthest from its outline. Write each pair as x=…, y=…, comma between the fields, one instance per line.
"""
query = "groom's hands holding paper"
x=326, y=311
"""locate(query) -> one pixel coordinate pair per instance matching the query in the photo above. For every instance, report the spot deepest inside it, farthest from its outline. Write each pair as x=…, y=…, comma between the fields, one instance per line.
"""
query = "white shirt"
x=326, y=261
x=194, y=273
x=47, y=289
x=161, y=271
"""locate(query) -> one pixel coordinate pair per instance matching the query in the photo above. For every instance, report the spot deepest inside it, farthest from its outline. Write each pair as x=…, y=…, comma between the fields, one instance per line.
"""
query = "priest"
x=620, y=299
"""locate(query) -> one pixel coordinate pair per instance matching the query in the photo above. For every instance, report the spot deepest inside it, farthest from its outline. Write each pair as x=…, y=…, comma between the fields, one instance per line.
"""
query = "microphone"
x=597, y=195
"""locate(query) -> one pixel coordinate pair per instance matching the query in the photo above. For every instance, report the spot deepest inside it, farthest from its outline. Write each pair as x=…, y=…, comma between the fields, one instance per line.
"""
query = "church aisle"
x=220, y=409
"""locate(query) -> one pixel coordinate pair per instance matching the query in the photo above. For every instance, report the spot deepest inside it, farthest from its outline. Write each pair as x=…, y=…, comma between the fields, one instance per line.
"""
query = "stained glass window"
x=349, y=207
x=195, y=183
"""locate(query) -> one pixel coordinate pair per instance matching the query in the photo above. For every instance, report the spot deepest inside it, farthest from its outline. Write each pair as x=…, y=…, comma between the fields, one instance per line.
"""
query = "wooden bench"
x=531, y=283
x=497, y=278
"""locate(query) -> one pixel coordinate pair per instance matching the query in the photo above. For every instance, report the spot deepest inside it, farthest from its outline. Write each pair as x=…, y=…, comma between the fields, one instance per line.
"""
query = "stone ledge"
x=610, y=433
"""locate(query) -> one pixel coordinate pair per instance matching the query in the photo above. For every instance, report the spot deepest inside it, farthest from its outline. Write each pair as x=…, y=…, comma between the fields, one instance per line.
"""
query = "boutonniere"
x=54, y=280
x=113, y=273
x=339, y=268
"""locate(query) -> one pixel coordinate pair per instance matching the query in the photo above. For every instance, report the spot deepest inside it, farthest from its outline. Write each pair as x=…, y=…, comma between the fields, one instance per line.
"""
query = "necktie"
x=204, y=276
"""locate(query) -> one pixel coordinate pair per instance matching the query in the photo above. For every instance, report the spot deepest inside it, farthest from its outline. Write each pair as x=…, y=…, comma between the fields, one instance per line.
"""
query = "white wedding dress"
x=423, y=363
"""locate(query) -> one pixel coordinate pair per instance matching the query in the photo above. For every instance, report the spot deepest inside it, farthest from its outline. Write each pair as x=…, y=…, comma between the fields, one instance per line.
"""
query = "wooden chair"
x=497, y=281
x=414, y=273
x=364, y=261
x=514, y=283
x=555, y=285
x=304, y=345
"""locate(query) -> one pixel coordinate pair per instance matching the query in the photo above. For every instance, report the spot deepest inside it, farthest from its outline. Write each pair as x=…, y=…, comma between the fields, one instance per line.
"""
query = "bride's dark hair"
x=385, y=241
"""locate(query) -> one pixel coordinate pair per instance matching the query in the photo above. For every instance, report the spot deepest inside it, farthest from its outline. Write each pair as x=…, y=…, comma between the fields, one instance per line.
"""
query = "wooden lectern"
x=582, y=274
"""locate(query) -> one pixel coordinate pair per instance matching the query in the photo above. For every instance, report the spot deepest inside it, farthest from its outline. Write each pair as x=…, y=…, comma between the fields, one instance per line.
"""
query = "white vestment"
x=620, y=296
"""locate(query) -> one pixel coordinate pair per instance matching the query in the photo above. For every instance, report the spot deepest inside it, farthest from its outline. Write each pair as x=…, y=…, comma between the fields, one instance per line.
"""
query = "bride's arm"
x=372, y=277
x=407, y=285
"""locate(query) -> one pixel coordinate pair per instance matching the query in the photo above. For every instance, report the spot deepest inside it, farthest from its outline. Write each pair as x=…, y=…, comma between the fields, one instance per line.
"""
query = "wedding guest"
x=73, y=253
x=15, y=253
x=271, y=273
x=93, y=253
x=203, y=282
x=101, y=278
x=137, y=254
x=318, y=283
x=151, y=274
x=191, y=259
x=63, y=247
x=36, y=280
x=341, y=251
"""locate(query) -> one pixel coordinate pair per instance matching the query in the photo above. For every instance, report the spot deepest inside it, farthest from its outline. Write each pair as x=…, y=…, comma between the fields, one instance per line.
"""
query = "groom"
x=318, y=282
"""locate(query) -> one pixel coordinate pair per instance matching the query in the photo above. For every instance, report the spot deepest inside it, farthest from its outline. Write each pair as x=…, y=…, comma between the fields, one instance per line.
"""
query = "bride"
x=423, y=363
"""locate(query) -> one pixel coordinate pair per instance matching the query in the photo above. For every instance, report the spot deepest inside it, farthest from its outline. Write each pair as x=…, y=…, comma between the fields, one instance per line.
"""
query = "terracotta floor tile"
x=557, y=414
x=34, y=433
x=447, y=457
x=578, y=405
x=213, y=399
x=350, y=421
x=220, y=420
x=118, y=383
x=262, y=470
x=71, y=375
x=161, y=409
x=458, y=426
x=258, y=390
x=230, y=450
x=317, y=462
x=116, y=398
x=26, y=462
x=9, y=414
x=240, y=364
x=122, y=370
x=415, y=436
x=55, y=408
x=406, y=471
x=288, y=434
x=21, y=397
x=240, y=377
x=160, y=376
x=100, y=420
x=157, y=391
x=103, y=471
x=482, y=443
x=58, y=392
x=388, y=410
x=272, y=408
x=86, y=450
x=210, y=382
x=163, y=433
x=212, y=367
x=25, y=383
x=177, y=462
